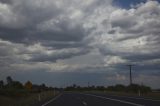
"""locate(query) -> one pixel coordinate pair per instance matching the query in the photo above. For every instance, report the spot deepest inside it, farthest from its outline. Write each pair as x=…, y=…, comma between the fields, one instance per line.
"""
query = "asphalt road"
x=84, y=99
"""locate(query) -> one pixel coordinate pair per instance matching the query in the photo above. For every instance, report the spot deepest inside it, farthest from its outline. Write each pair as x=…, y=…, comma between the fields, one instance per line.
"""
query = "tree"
x=43, y=87
x=28, y=85
x=9, y=80
x=1, y=84
x=17, y=85
x=120, y=87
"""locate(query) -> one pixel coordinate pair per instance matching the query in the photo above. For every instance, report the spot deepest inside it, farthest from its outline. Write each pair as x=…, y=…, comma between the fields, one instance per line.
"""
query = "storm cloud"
x=82, y=36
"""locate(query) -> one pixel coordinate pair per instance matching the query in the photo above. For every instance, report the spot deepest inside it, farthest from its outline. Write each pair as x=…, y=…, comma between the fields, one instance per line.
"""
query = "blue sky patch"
x=127, y=3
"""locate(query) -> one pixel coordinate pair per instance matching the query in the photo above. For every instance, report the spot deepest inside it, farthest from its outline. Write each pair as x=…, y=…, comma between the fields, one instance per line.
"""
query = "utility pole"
x=88, y=85
x=130, y=68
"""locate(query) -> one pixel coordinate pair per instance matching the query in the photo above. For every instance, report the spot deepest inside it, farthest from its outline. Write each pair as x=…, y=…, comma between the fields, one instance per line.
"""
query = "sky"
x=62, y=42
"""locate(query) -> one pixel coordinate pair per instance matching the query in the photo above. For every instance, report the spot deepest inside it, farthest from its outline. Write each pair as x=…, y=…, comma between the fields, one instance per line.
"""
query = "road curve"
x=86, y=99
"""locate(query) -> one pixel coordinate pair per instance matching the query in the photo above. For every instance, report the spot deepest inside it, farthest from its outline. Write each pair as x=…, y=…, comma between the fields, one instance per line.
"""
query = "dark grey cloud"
x=111, y=32
x=63, y=44
x=142, y=57
x=33, y=15
x=6, y=1
x=58, y=55
x=15, y=35
x=125, y=22
x=66, y=34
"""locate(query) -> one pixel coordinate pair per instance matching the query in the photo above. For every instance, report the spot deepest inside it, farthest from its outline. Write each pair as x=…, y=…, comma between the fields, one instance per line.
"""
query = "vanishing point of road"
x=87, y=99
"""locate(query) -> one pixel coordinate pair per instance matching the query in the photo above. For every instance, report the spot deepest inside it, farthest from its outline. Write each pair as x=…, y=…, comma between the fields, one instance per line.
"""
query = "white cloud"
x=112, y=60
x=122, y=79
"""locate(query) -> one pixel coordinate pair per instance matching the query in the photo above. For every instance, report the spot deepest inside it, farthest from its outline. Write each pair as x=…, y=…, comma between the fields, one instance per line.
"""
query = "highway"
x=86, y=99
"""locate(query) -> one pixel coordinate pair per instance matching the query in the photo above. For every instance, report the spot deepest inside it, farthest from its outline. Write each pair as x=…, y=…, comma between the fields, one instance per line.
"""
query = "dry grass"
x=152, y=95
x=28, y=100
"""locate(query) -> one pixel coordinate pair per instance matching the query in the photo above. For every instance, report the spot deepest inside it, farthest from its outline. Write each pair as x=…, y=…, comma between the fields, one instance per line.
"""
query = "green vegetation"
x=14, y=93
x=134, y=88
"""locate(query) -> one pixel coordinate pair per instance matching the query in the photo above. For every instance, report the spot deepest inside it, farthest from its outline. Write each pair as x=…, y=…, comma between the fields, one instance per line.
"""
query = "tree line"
x=15, y=88
x=134, y=88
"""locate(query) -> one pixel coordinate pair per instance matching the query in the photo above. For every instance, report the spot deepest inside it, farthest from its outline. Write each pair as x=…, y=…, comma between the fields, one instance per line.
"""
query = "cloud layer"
x=82, y=36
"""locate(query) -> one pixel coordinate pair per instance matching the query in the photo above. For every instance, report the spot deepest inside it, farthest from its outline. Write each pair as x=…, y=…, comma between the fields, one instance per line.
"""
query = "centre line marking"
x=84, y=103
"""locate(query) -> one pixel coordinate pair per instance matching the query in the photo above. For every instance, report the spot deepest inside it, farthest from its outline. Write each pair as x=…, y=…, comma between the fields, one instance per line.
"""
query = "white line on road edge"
x=84, y=103
x=51, y=100
x=137, y=98
x=122, y=101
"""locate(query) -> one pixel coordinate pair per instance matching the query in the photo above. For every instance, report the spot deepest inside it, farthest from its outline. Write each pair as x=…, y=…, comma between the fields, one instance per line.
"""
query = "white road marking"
x=137, y=98
x=122, y=101
x=51, y=100
x=84, y=103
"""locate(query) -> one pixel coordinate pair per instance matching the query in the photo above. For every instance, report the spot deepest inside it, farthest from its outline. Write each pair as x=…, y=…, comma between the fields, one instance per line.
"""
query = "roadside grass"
x=26, y=100
x=154, y=95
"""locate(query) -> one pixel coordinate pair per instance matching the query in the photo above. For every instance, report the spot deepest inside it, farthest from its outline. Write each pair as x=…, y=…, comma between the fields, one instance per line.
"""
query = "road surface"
x=85, y=99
